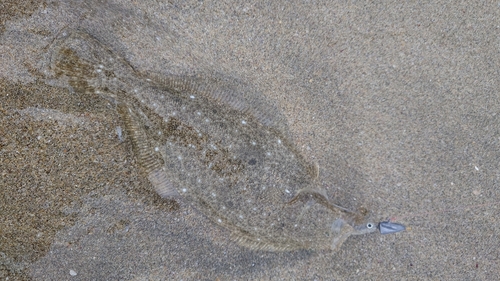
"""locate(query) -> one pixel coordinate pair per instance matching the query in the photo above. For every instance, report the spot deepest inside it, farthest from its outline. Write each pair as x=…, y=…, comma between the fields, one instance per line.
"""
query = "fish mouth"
x=388, y=227
x=384, y=227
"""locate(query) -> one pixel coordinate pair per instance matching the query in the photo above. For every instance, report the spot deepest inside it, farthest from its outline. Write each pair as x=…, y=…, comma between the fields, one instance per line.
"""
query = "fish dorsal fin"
x=226, y=90
x=263, y=244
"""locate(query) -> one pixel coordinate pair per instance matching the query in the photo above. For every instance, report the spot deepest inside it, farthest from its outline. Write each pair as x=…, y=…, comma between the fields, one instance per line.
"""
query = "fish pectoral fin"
x=307, y=193
x=320, y=196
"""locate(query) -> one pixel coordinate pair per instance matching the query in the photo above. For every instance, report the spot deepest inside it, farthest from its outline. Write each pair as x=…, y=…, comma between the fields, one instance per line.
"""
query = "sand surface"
x=398, y=103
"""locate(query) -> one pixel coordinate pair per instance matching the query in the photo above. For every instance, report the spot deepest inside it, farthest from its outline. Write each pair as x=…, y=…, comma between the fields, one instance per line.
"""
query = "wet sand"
x=397, y=103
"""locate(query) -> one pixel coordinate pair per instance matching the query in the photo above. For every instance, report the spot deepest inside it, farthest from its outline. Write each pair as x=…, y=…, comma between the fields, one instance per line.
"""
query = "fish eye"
x=369, y=225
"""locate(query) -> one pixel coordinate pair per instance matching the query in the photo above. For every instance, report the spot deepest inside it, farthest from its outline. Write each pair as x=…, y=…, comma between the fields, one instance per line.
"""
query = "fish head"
x=341, y=225
x=364, y=228
x=342, y=230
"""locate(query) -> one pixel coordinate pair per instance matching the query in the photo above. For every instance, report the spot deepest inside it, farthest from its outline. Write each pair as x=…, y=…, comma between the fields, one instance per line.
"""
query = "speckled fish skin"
x=215, y=148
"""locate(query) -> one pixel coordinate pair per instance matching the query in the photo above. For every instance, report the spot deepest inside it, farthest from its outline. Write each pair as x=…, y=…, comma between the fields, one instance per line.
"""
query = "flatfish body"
x=214, y=142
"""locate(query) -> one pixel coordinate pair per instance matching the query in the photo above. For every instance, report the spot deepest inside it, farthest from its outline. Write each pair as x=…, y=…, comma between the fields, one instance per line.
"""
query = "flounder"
x=214, y=142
